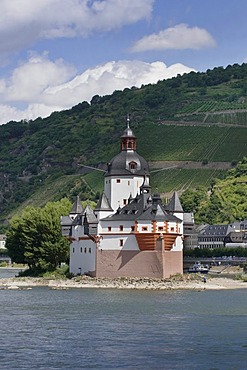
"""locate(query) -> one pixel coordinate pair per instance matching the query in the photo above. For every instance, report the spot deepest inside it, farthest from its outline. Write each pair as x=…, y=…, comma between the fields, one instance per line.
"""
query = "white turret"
x=125, y=173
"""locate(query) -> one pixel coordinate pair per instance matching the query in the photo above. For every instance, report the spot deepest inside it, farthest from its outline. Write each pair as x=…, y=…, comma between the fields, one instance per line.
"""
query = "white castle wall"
x=143, y=225
x=120, y=236
x=82, y=256
x=118, y=242
x=118, y=189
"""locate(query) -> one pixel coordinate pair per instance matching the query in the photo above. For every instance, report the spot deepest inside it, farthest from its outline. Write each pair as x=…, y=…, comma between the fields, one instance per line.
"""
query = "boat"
x=199, y=267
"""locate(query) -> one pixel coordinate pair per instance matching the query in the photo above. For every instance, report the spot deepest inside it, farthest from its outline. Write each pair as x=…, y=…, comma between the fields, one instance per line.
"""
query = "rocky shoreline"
x=186, y=282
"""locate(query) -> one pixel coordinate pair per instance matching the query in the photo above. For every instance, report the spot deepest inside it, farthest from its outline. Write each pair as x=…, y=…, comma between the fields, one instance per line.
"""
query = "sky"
x=55, y=54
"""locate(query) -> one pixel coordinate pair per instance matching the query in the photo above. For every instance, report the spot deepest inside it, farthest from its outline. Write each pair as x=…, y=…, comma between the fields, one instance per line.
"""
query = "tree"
x=35, y=237
x=193, y=198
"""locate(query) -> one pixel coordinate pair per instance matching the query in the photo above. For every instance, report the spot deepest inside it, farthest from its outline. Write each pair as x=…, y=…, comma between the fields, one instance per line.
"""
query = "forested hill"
x=195, y=117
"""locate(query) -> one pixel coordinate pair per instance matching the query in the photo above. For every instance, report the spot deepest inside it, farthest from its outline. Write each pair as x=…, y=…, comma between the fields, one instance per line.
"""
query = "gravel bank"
x=191, y=282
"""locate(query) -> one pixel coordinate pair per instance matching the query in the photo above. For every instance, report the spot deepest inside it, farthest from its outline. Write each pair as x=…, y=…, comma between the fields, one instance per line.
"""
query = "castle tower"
x=126, y=172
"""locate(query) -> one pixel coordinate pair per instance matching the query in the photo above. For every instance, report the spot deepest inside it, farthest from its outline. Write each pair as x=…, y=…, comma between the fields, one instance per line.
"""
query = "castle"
x=130, y=233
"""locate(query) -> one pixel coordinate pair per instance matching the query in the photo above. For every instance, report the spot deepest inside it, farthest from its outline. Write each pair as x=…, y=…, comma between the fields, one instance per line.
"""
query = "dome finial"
x=128, y=120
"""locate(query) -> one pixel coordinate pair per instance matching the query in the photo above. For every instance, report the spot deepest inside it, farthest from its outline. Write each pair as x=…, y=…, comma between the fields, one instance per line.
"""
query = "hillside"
x=199, y=117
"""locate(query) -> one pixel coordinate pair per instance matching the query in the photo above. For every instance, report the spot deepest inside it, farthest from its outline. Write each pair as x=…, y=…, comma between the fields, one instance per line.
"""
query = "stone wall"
x=151, y=264
x=114, y=264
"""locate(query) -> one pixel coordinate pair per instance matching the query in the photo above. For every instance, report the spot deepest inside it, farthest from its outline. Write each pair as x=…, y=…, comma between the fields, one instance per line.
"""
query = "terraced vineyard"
x=214, y=112
x=211, y=106
x=192, y=143
x=182, y=179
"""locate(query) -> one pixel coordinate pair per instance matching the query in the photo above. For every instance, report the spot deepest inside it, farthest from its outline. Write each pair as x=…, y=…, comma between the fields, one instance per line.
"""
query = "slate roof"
x=128, y=133
x=157, y=212
x=103, y=204
x=216, y=230
x=128, y=212
x=89, y=214
x=77, y=207
x=68, y=221
x=174, y=204
x=140, y=208
x=120, y=164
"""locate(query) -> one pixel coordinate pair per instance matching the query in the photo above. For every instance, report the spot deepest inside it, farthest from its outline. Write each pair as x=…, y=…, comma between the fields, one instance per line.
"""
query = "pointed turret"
x=77, y=208
x=145, y=190
x=174, y=205
x=90, y=221
x=103, y=204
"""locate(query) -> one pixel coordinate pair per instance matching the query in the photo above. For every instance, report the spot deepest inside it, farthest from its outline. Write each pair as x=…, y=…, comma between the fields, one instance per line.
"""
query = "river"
x=123, y=329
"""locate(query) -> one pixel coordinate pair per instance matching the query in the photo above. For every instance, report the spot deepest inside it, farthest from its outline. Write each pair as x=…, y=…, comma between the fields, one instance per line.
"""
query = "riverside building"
x=130, y=233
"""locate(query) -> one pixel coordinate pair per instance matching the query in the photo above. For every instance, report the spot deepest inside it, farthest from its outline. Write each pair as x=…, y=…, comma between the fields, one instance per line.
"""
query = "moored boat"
x=199, y=267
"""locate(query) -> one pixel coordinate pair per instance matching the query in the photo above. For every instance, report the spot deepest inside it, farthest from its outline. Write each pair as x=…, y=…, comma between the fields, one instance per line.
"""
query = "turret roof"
x=103, y=204
x=174, y=204
x=121, y=164
x=89, y=214
x=77, y=207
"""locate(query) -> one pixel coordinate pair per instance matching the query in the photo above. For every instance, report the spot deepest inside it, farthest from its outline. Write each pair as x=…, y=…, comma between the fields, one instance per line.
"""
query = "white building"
x=130, y=233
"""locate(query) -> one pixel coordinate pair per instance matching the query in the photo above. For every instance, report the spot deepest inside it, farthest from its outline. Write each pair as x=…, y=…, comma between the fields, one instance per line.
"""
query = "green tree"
x=35, y=237
x=193, y=198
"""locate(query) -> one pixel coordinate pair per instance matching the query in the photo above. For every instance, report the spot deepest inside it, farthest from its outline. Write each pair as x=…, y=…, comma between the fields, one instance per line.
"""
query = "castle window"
x=144, y=228
x=121, y=242
x=132, y=165
x=121, y=228
x=81, y=250
x=160, y=228
x=73, y=250
x=109, y=228
x=128, y=183
x=132, y=228
x=85, y=250
x=172, y=228
x=89, y=250
x=125, y=202
x=118, y=181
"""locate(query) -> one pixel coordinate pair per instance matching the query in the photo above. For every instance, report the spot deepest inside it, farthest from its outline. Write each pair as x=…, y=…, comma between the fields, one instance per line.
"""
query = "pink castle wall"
x=152, y=264
x=173, y=263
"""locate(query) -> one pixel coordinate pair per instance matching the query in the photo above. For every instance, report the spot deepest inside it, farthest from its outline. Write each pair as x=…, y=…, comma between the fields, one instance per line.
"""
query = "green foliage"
x=192, y=117
x=192, y=199
x=226, y=201
x=216, y=252
x=34, y=238
x=58, y=273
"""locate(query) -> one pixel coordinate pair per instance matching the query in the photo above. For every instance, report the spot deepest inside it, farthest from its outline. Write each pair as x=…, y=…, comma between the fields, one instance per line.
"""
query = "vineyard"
x=211, y=106
x=191, y=143
x=214, y=112
x=182, y=179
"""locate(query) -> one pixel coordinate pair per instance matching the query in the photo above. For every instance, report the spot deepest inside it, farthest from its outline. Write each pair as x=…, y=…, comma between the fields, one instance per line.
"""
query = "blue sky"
x=57, y=53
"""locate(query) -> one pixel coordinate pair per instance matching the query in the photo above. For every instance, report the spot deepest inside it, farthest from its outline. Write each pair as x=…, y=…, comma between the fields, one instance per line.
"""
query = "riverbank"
x=190, y=282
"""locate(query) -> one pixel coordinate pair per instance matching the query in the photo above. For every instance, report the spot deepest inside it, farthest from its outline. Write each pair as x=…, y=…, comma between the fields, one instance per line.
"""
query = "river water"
x=123, y=329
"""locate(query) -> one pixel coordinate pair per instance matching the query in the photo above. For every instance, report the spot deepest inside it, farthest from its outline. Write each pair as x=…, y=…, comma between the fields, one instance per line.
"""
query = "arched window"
x=132, y=165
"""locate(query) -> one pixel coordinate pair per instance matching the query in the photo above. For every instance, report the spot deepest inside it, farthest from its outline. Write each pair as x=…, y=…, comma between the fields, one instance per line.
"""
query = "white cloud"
x=43, y=86
x=112, y=76
x=180, y=36
x=23, y=22
x=28, y=81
